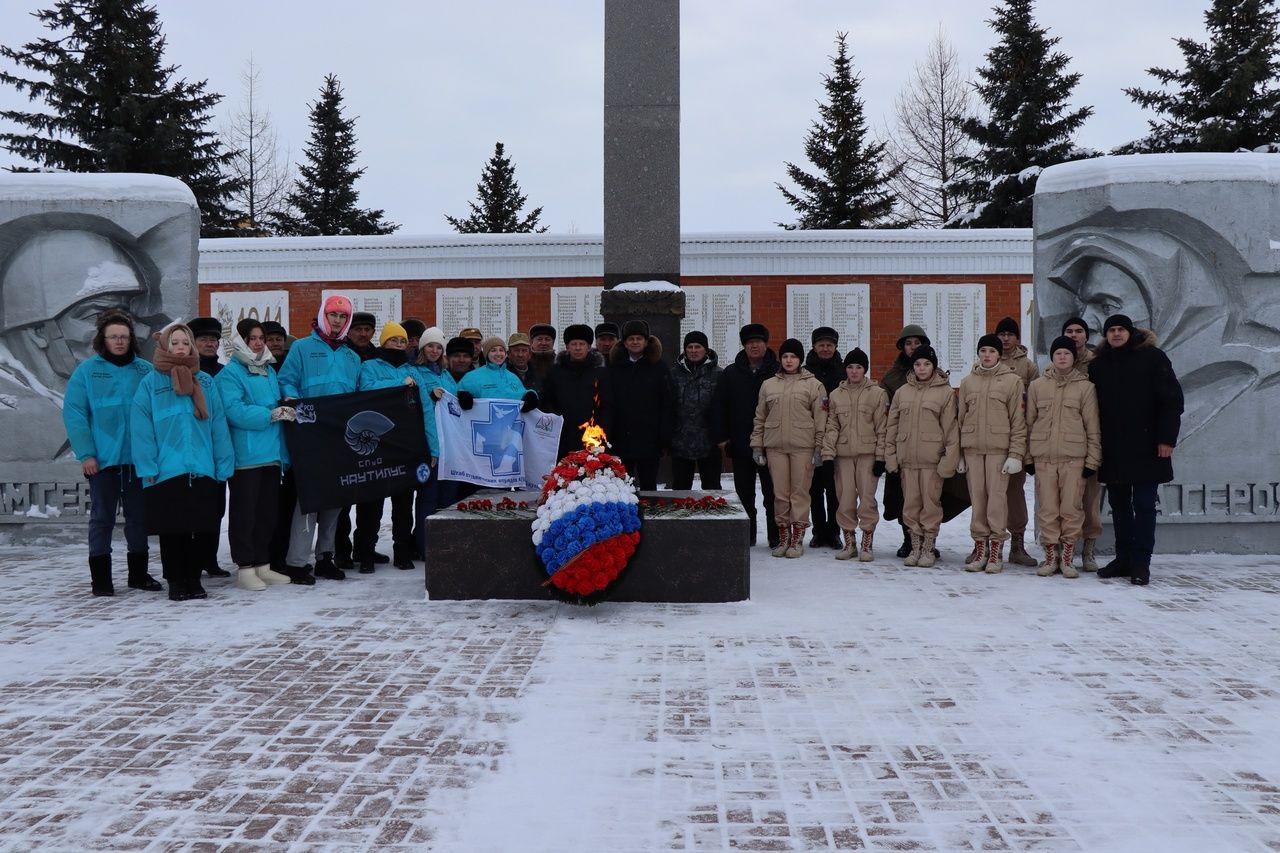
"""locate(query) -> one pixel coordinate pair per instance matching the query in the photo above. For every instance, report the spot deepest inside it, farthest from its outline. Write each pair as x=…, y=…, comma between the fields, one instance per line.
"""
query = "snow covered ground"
x=846, y=706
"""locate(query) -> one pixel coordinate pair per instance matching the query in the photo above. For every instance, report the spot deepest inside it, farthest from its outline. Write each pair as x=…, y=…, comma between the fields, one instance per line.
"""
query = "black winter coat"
x=828, y=371
x=695, y=387
x=644, y=407
x=1139, y=407
x=733, y=408
x=579, y=391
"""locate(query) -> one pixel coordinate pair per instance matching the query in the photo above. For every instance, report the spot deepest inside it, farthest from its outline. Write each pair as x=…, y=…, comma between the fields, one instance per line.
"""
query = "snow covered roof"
x=478, y=256
x=77, y=186
x=1159, y=168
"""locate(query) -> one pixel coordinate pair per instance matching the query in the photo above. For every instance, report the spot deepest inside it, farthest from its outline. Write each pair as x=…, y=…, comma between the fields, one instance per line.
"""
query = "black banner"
x=350, y=448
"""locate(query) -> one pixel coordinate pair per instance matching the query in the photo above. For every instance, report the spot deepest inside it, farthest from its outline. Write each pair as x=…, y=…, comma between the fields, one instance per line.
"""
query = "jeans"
x=1133, y=514
x=107, y=490
x=710, y=467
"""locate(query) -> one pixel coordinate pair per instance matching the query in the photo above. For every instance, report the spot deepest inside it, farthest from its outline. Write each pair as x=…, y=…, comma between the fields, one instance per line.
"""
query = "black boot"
x=905, y=550
x=380, y=558
x=754, y=534
x=100, y=575
x=1117, y=568
x=1139, y=574
x=171, y=556
x=300, y=575
x=198, y=546
x=139, y=577
x=402, y=558
x=774, y=537
x=215, y=571
x=327, y=570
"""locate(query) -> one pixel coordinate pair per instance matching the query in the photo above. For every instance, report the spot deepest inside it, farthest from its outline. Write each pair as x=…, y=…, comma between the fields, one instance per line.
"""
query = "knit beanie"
x=578, y=332
x=857, y=356
x=791, y=345
x=459, y=345
x=433, y=335
x=926, y=352
x=1076, y=321
x=1010, y=325
x=696, y=337
x=489, y=343
x=391, y=329
x=825, y=333
x=990, y=341
x=1063, y=342
x=1121, y=320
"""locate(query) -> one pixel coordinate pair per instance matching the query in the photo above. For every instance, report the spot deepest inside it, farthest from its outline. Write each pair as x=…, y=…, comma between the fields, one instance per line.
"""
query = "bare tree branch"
x=265, y=174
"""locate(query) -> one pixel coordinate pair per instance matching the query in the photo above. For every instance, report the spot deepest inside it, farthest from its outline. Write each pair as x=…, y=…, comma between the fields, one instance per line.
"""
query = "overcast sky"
x=434, y=85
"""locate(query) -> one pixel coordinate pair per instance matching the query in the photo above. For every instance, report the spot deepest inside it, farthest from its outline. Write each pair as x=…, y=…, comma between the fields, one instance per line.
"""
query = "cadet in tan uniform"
x=1078, y=330
x=922, y=442
x=993, y=441
x=857, y=419
x=1014, y=354
x=791, y=416
x=1066, y=452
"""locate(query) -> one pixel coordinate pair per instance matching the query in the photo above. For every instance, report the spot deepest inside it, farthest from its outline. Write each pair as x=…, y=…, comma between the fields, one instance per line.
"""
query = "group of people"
x=167, y=440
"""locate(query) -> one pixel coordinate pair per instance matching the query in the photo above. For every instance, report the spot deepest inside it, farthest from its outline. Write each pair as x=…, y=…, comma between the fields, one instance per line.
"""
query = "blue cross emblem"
x=501, y=438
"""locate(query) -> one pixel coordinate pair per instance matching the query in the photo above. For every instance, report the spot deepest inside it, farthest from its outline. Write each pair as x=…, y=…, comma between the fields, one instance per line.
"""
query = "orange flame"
x=593, y=435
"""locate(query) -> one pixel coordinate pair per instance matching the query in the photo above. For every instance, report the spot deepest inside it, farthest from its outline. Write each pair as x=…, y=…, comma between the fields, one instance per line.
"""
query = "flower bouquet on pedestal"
x=588, y=521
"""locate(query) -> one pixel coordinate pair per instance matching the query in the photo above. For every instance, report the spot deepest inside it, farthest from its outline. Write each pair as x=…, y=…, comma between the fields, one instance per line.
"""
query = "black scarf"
x=118, y=360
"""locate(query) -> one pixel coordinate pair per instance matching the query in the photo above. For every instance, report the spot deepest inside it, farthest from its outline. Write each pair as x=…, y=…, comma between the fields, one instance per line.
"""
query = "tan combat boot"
x=797, y=539
x=995, y=557
x=1066, y=557
x=927, y=560
x=784, y=540
x=978, y=558
x=1087, y=560
x=1018, y=553
x=850, y=549
x=913, y=559
x=865, y=554
x=1050, y=564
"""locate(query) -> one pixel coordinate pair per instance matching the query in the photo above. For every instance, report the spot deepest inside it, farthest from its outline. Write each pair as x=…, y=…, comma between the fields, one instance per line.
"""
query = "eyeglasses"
x=116, y=339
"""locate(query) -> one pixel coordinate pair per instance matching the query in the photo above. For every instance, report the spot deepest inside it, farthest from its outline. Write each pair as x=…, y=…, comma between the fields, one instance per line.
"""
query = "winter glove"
x=1011, y=466
x=817, y=459
x=283, y=413
x=530, y=401
x=1088, y=472
x=465, y=400
x=961, y=467
x=757, y=456
x=1030, y=468
x=877, y=469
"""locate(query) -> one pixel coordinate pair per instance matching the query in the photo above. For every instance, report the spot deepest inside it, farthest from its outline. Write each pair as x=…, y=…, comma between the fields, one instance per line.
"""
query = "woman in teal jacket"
x=182, y=451
x=492, y=379
x=434, y=378
x=95, y=412
x=251, y=397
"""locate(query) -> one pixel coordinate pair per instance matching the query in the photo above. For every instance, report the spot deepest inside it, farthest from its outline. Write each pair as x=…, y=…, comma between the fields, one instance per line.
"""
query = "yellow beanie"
x=391, y=329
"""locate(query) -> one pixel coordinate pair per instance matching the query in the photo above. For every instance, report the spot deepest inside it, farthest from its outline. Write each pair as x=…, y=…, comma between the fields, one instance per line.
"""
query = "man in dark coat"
x=827, y=366
x=577, y=388
x=733, y=413
x=1140, y=412
x=695, y=376
x=542, y=345
x=644, y=411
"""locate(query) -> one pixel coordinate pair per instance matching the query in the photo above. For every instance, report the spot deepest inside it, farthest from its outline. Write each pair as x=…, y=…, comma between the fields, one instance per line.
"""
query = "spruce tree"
x=1225, y=98
x=498, y=203
x=324, y=197
x=1024, y=87
x=114, y=106
x=850, y=188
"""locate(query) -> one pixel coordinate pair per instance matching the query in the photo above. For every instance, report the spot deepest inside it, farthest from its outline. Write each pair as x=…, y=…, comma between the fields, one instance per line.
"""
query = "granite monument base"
x=695, y=559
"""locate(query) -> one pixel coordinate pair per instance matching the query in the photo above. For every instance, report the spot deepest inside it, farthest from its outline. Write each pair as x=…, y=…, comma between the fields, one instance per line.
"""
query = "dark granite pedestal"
x=704, y=558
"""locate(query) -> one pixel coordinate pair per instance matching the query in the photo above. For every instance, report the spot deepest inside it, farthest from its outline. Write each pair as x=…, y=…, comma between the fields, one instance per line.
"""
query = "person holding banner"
x=251, y=395
x=183, y=453
x=388, y=368
x=318, y=365
x=433, y=380
x=492, y=380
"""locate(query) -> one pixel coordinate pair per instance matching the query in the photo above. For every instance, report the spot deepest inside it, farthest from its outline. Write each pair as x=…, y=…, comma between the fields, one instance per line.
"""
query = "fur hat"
x=792, y=346
x=271, y=327
x=489, y=343
x=911, y=330
x=363, y=318
x=1010, y=325
x=990, y=341
x=857, y=356
x=634, y=327
x=926, y=352
x=578, y=332
x=1063, y=342
x=696, y=337
x=1121, y=320
x=459, y=345
x=202, y=327
x=542, y=329
x=825, y=333
x=518, y=339
x=1076, y=321
x=391, y=329
x=607, y=328
x=433, y=335
x=753, y=332
x=413, y=328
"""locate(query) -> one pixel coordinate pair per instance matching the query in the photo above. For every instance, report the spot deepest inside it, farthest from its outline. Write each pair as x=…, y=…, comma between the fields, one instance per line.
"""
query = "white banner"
x=493, y=444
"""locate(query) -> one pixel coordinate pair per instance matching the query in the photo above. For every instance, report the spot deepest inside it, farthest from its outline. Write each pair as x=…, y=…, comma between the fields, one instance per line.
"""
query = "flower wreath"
x=588, y=522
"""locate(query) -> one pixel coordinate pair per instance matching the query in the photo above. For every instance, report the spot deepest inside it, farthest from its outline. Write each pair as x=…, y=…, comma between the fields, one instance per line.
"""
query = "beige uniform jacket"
x=1062, y=419
x=791, y=413
x=991, y=419
x=857, y=418
x=1020, y=364
x=923, y=431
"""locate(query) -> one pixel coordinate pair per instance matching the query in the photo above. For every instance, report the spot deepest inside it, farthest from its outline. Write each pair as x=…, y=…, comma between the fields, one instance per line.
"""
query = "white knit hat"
x=433, y=335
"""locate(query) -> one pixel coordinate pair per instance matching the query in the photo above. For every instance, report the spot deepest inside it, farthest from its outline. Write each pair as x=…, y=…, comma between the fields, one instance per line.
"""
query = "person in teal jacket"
x=182, y=451
x=95, y=412
x=390, y=368
x=434, y=378
x=492, y=379
x=251, y=397
x=317, y=366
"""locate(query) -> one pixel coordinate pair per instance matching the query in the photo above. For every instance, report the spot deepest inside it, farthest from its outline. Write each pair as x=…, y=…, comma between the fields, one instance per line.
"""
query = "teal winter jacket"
x=314, y=369
x=169, y=441
x=376, y=373
x=429, y=378
x=96, y=407
x=493, y=381
x=248, y=399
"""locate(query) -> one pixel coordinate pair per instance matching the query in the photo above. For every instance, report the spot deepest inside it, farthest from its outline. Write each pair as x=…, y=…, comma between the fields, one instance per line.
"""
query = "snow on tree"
x=1225, y=97
x=928, y=142
x=114, y=106
x=498, y=203
x=324, y=197
x=850, y=187
x=263, y=174
x=1024, y=88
